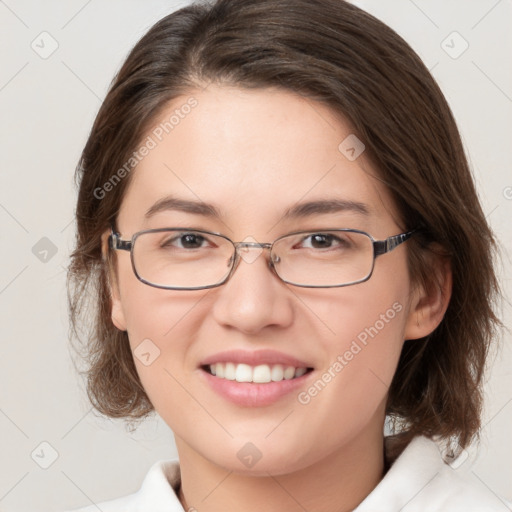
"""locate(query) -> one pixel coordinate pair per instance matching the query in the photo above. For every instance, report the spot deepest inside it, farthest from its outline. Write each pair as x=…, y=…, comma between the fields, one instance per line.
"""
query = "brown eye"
x=323, y=241
x=185, y=241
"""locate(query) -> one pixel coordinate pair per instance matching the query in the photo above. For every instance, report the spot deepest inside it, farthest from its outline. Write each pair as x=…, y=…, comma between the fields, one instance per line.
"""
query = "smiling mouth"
x=259, y=374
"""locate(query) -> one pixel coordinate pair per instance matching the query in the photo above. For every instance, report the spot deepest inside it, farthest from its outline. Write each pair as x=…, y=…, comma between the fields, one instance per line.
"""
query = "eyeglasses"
x=190, y=259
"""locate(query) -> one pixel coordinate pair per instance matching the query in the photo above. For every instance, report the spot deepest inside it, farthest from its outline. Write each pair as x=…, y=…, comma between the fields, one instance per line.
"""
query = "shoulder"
x=421, y=481
x=157, y=493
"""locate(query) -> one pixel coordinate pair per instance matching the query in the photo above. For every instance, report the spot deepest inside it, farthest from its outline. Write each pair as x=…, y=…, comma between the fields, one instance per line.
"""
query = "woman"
x=286, y=248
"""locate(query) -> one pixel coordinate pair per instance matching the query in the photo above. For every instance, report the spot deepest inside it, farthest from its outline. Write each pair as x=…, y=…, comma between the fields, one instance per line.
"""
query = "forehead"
x=253, y=154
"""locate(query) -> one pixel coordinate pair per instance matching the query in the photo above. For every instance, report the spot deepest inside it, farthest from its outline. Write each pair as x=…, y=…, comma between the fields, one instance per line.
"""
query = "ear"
x=430, y=300
x=117, y=312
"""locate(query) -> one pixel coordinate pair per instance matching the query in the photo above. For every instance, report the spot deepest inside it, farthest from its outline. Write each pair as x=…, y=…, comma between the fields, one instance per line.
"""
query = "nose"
x=254, y=298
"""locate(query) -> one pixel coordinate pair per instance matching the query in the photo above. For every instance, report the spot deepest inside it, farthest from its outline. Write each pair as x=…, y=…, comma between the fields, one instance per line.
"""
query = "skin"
x=253, y=154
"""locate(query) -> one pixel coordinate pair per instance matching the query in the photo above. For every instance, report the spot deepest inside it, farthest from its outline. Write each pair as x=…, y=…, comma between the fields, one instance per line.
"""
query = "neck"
x=338, y=482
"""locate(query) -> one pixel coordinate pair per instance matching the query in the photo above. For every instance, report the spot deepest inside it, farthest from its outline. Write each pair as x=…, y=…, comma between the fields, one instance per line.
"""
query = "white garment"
x=418, y=481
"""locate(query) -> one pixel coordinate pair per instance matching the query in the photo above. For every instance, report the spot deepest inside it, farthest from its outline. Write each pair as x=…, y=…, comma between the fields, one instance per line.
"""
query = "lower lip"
x=249, y=394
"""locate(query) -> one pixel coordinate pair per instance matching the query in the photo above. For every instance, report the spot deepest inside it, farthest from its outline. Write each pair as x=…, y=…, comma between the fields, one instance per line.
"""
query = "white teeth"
x=299, y=372
x=230, y=371
x=277, y=373
x=220, y=370
x=261, y=374
x=243, y=373
x=289, y=372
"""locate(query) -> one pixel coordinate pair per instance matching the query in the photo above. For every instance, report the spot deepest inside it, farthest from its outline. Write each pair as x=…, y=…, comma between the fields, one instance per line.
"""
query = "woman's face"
x=256, y=156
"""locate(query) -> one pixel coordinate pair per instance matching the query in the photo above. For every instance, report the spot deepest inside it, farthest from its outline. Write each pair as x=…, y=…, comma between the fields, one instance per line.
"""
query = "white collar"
x=418, y=481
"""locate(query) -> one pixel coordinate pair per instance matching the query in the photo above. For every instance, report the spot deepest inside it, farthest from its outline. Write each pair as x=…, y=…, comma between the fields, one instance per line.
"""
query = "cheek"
x=350, y=390
x=153, y=313
x=363, y=336
x=367, y=352
x=162, y=329
x=162, y=326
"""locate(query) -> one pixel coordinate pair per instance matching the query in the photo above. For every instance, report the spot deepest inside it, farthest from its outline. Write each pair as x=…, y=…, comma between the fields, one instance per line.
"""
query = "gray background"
x=47, y=107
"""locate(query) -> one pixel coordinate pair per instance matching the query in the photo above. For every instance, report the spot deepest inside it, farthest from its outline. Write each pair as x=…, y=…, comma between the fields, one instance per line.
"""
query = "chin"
x=253, y=459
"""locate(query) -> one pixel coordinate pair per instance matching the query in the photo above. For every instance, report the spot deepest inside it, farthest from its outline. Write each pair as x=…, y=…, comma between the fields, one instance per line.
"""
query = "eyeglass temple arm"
x=384, y=246
x=115, y=242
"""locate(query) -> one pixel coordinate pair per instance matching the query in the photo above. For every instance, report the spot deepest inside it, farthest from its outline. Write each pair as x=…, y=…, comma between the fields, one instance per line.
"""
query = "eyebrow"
x=300, y=210
x=325, y=206
x=183, y=205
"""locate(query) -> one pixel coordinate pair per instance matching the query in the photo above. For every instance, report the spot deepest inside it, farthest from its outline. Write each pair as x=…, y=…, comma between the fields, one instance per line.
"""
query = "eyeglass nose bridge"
x=242, y=247
x=248, y=245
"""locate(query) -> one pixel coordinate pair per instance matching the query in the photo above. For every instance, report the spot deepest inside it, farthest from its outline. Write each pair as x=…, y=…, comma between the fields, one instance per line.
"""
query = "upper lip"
x=254, y=358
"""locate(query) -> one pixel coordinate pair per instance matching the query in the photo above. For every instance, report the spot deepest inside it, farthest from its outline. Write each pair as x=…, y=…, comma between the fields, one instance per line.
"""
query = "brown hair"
x=332, y=52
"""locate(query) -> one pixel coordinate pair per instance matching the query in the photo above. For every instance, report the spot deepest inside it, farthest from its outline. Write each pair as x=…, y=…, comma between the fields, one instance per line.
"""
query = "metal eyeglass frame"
x=379, y=247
